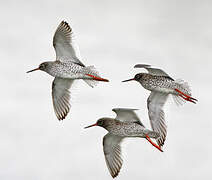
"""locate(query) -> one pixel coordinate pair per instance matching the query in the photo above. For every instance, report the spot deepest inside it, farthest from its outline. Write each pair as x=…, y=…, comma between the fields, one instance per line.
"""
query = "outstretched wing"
x=64, y=45
x=112, y=152
x=127, y=115
x=61, y=96
x=153, y=71
x=155, y=105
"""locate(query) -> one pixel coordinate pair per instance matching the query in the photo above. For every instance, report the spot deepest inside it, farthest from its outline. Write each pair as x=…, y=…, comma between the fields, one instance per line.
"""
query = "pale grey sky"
x=113, y=36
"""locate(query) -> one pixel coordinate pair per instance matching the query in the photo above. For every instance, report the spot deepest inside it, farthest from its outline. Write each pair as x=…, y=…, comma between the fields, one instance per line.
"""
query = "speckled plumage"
x=69, y=70
x=126, y=124
x=66, y=68
x=161, y=85
x=126, y=129
x=156, y=83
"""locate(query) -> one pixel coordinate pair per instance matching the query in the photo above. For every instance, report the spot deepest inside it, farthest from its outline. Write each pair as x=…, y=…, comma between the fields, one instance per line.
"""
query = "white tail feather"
x=91, y=70
x=183, y=87
x=91, y=83
x=178, y=100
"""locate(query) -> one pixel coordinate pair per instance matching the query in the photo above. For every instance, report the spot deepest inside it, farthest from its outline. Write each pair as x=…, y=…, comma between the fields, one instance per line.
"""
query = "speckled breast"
x=66, y=70
x=157, y=83
x=128, y=129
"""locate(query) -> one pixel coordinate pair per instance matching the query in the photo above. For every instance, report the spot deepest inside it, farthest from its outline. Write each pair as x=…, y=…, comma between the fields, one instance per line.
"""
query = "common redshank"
x=161, y=85
x=126, y=124
x=67, y=68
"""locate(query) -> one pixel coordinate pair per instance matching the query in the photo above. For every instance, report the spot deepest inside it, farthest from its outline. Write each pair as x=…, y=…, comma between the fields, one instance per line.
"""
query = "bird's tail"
x=91, y=70
x=183, y=93
x=94, y=76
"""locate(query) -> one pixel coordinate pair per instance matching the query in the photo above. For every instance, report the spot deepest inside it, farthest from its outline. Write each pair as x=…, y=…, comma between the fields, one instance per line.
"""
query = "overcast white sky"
x=113, y=36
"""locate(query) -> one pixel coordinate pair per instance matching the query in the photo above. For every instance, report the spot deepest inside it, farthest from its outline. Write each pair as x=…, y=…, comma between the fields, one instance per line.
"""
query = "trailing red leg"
x=155, y=145
x=186, y=97
x=97, y=78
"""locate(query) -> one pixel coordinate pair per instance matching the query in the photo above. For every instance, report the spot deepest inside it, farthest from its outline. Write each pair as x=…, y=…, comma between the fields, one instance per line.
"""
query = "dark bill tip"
x=90, y=126
x=128, y=80
x=33, y=70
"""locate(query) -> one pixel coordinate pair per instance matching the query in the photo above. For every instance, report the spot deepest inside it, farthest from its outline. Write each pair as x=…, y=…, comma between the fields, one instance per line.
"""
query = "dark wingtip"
x=142, y=66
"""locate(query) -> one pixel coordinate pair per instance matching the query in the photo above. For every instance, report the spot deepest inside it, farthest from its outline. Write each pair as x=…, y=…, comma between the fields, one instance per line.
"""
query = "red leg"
x=155, y=145
x=97, y=78
x=186, y=97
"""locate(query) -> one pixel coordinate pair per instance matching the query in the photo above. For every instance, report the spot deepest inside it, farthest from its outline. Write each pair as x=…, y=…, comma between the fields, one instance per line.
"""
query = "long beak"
x=90, y=126
x=33, y=70
x=128, y=80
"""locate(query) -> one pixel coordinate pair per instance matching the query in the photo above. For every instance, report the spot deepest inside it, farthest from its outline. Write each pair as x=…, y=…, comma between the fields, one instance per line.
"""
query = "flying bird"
x=161, y=85
x=126, y=124
x=66, y=69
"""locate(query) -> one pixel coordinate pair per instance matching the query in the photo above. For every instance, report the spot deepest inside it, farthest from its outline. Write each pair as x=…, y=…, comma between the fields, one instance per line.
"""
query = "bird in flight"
x=161, y=85
x=66, y=69
x=126, y=124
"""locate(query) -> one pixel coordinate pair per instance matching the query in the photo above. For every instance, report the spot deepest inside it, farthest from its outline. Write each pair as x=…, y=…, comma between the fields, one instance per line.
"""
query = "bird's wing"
x=112, y=152
x=66, y=49
x=153, y=71
x=61, y=96
x=155, y=105
x=127, y=115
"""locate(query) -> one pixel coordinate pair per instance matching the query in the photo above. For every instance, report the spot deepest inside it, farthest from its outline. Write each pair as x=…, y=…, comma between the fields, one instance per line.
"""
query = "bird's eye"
x=137, y=76
x=42, y=66
x=100, y=123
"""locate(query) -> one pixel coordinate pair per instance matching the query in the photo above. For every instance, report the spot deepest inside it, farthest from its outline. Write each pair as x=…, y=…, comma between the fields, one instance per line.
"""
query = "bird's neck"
x=110, y=124
x=54, y=68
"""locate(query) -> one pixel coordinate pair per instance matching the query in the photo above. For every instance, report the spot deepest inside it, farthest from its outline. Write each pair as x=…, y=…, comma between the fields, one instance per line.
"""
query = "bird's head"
x=137, y=77
x=100, y=123
x=103, y=122
x=45, y=66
